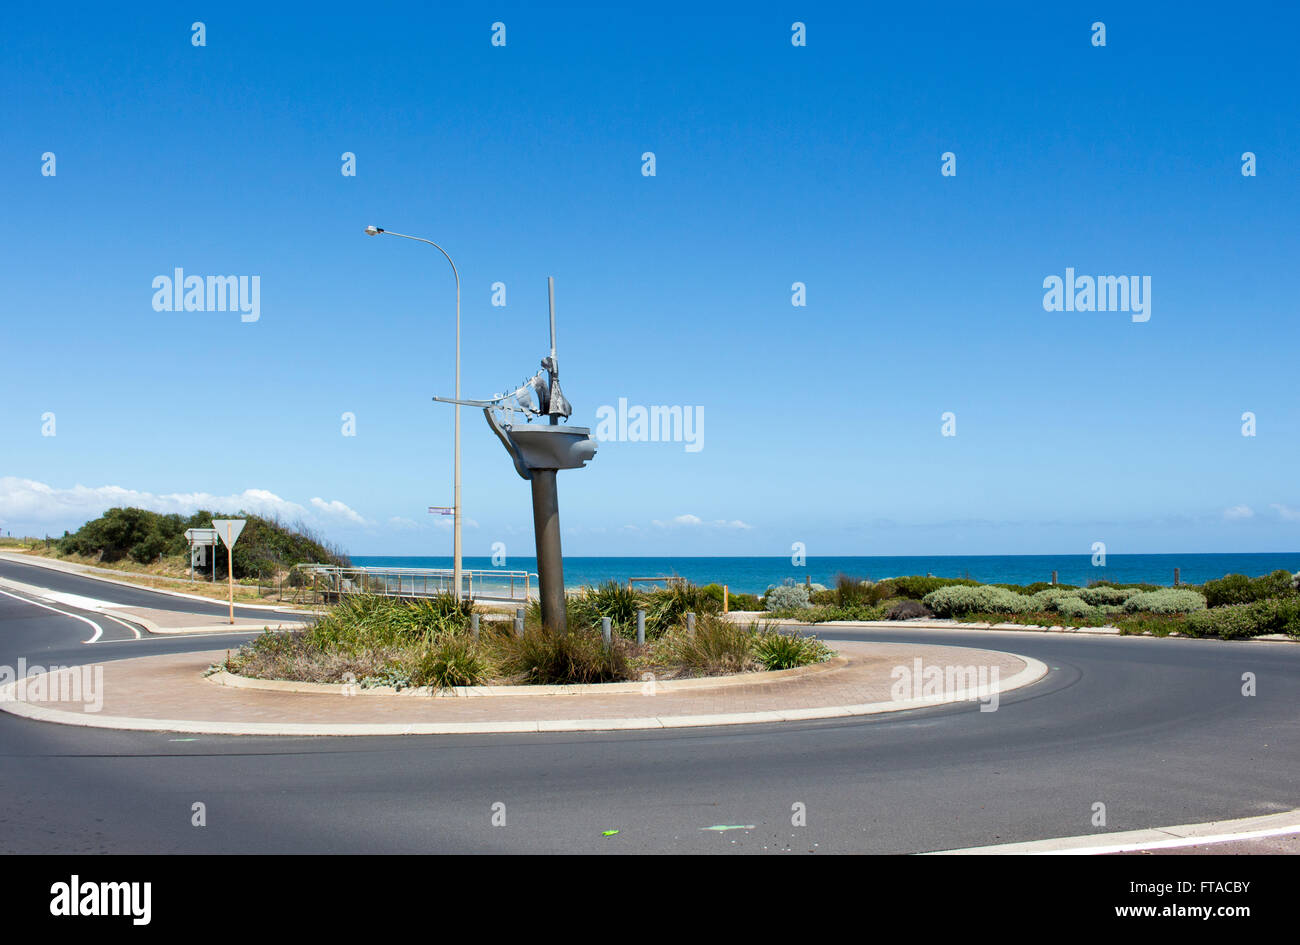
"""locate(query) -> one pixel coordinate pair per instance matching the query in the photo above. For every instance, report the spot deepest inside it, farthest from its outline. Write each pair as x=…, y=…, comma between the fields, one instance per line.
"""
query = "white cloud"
x=26, y=502
x=1238, y=512
x=1287, y=512
x=694, y=521
x=337, y=508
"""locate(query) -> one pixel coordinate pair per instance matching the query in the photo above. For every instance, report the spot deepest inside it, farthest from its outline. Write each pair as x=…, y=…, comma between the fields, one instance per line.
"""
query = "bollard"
x=473, y=626
x=726, y=599
x=605, y=630
x=1177, y=577
x=640, y=628
x=519, y=622
x=1053, y=577
x=690, y=623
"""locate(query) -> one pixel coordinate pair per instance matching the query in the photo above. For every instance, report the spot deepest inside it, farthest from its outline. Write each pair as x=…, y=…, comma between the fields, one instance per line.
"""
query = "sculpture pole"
x=550, y=562
x=538, y=452
x=546, y=523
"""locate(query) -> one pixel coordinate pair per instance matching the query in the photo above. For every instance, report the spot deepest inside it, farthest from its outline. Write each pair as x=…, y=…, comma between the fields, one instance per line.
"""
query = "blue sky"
x=774, y=165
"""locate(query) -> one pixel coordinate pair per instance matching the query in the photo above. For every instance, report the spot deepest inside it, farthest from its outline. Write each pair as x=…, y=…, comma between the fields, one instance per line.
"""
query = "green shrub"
x=365, y=621
x=616, y=601
x=541, y=657
x=776, y=650
x=1105, y=594
x=850, y=591
x=956, y=600
x=265, y=545
x=667, y=607
x=1075, y=607
x=1047, y=598
x=1038, y=586
x=1239, y=589
x=746, y=602
x=1166, y=600
x=736, y=600
x=857, y=612
x=917, y=587
x=1239, y=621
x=450, y=661
x=717, y=646
x=789, y=596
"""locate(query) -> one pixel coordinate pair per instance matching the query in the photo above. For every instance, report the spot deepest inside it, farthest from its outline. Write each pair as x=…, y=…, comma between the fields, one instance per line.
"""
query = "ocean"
x=755, y=575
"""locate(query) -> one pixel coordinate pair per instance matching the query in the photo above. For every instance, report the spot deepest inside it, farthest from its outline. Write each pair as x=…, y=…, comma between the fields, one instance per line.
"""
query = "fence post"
x=605, y=630
x=519, y=622
x=690, y=623
x=1053, y=577
x=1177, y=576
x=726, y=599
x=640, y=627
x=473, y=625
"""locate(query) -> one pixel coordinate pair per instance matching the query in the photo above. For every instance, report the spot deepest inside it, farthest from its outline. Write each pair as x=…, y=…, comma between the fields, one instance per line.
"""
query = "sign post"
x=199, y=539
x=229, y=529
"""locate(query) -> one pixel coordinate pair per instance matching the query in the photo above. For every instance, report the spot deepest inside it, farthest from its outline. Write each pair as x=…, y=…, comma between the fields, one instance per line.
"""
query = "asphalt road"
x=1156, y=730
x=67, y=583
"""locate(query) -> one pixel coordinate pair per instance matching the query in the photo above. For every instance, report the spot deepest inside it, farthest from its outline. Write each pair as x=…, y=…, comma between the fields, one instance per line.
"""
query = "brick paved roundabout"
x=172, y=693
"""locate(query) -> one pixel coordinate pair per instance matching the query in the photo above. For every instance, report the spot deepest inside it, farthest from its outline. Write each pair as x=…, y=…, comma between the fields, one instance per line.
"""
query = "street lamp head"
x=374, y=230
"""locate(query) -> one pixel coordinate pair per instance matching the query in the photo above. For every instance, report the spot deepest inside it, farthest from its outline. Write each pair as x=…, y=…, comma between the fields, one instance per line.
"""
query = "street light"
x=456, y=572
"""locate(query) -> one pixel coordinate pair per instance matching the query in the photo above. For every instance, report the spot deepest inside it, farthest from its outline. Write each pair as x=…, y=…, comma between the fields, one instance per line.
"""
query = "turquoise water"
x=755, y=575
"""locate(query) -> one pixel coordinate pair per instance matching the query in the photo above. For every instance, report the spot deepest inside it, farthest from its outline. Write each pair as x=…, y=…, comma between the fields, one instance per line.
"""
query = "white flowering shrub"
x=1167, y=600
x=1075, y=607
x=957, y=599
x=1047, y=598
x=787, y=597
x=1106, y=595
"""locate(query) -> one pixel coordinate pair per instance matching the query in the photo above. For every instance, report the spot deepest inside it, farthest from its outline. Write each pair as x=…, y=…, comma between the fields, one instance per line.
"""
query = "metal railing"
x=668, y=580
x=316, y=583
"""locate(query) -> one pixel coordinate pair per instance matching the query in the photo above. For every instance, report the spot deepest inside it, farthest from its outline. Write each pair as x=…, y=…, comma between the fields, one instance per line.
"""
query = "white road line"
x=134, y=630
x=99, y=631
x=79, y=601
x=180, y=636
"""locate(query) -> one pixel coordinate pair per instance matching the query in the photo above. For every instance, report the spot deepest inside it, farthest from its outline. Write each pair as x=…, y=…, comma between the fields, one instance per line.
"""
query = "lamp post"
x=456, y=516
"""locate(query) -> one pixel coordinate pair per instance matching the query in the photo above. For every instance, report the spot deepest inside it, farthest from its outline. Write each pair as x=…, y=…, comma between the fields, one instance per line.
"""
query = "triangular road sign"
x=236, y=525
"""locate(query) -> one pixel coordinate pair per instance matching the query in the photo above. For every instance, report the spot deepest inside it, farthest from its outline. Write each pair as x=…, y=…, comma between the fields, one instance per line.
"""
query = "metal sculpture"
x=539, y=452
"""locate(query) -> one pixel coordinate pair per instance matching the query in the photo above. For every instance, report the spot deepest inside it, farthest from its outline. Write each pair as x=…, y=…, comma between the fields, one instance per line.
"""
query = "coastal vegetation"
x=386, y=641
x=153, y=541
x=1233, y=607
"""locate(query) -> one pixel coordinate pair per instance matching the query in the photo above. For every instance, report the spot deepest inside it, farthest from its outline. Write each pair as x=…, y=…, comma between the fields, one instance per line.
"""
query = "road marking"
x=77, y=600
x=134, y=630
x=99, y=631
